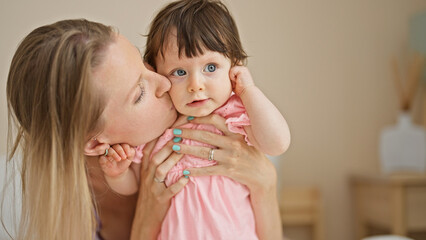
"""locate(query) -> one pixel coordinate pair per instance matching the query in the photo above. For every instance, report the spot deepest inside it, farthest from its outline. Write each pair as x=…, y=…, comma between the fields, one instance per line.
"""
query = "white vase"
x=402, y=147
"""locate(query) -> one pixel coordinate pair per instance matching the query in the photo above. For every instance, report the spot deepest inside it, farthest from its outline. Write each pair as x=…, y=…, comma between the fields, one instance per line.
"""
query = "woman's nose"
x=195, y=84
x=162, y=83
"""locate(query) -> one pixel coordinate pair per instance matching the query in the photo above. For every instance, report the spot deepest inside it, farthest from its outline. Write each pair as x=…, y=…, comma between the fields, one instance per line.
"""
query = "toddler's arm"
x=116, y=167
x=268, y=130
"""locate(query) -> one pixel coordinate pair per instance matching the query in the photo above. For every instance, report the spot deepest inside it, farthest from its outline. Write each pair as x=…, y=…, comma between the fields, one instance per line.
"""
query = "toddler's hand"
x=118, y=160
x=241, y=79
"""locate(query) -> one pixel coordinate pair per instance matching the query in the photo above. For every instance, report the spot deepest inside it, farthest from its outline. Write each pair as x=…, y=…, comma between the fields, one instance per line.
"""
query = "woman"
x=76, y=87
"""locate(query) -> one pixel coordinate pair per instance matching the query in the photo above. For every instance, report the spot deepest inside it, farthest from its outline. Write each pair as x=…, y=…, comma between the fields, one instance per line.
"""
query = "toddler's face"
x=200, y=84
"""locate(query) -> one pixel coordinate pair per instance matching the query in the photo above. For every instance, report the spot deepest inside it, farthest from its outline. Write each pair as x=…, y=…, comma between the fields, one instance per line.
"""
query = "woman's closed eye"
x=139, y=99
x=210, y=67
x=179, y=73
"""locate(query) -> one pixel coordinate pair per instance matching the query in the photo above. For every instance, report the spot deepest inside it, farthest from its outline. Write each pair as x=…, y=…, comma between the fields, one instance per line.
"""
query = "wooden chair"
x=303, y=207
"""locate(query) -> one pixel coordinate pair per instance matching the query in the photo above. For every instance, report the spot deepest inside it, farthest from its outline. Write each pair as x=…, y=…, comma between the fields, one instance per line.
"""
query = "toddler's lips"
x=198, y=103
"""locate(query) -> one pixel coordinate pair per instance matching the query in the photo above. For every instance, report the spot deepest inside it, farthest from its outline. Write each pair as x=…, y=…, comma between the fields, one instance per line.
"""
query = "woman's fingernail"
x=186, y=176
x=176, y=148
x=186, y=172
x=177, y=131
x=190, y=118
x=177, y=139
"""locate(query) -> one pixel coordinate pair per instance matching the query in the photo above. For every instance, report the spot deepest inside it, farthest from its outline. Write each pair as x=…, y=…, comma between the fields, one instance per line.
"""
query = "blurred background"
x=327, y=65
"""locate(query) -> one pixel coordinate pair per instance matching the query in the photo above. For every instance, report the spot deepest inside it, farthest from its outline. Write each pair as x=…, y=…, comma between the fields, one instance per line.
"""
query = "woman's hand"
x=235, y=158
x=245, y=164
x=154, y=197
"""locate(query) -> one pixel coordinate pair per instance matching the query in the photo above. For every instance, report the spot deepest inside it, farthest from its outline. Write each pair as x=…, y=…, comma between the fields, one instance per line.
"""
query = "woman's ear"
x=95, y=147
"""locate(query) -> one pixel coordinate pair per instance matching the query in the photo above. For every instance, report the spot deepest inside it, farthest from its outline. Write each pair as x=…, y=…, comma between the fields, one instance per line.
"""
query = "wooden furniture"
x=396, y=203
x=302, y=207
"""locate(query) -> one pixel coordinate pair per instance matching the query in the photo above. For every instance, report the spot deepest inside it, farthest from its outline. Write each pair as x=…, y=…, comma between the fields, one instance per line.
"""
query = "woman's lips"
x=198, y=103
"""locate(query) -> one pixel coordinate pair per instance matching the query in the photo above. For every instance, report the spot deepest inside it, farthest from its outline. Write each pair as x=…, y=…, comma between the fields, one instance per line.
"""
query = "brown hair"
x=52, y=105
x=200, y=24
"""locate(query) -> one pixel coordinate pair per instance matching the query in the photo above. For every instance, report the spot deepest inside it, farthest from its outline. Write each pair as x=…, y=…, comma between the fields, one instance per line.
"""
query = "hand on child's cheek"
x=241, y=79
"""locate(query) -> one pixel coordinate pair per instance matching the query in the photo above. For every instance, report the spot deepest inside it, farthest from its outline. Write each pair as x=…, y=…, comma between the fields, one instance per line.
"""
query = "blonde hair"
x=52, y=105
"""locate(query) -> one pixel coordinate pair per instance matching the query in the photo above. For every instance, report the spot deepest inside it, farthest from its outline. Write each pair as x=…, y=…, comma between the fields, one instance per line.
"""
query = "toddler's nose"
x=195, y=84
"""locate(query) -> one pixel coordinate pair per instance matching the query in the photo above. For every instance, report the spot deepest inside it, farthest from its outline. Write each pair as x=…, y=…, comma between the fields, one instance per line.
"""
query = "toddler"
x=195, y=43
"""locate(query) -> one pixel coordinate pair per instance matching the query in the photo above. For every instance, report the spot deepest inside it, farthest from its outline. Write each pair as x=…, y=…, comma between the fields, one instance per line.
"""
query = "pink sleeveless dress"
x=208, y=207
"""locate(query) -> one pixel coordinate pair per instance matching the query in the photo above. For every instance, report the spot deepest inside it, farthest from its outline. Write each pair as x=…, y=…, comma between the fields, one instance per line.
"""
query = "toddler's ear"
x=94, y=147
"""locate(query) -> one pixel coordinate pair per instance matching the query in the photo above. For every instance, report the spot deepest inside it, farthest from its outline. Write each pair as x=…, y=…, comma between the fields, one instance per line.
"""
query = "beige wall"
x=324, y=63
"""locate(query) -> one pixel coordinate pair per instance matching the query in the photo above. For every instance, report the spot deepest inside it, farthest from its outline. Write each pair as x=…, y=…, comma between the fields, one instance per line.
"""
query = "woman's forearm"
x=264, y=200
x=154, y=198
x=266, y=211
x=148, y=218
x=142, y=230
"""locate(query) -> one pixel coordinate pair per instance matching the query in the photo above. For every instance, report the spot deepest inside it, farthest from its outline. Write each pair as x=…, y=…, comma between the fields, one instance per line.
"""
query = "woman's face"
x=138, y=107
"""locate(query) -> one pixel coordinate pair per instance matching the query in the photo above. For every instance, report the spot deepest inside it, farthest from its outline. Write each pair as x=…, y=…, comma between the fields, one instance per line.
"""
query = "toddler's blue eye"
x=179, y=72
x=210, y=68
